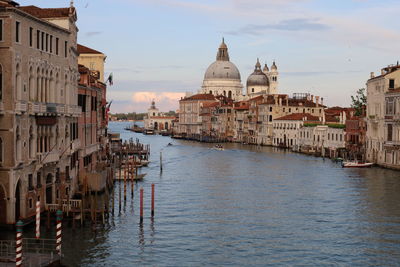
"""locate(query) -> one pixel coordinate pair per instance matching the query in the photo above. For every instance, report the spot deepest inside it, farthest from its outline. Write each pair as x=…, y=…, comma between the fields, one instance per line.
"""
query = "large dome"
x=225, y=70
x=258, y=78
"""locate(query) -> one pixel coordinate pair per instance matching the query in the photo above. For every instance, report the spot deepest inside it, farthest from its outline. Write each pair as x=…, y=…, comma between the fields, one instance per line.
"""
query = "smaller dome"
x=258, y=78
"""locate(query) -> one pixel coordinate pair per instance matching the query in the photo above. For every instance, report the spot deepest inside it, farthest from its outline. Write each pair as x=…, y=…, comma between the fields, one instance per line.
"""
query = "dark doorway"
x=49, y=189
x=166, y=126
x=156, y=126
x=3, y=206
x=18, y=201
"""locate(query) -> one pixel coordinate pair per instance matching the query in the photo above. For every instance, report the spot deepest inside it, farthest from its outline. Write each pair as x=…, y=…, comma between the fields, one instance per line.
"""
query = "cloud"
x=140, y=101
x=90, y=34
x=298, y=24
x=317, y=73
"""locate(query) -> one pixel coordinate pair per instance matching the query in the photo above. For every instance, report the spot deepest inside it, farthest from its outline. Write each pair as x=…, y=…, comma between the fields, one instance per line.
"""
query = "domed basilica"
x=222, y=77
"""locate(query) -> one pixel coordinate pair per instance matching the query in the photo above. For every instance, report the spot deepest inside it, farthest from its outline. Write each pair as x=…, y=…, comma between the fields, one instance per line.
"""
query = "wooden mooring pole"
x=152, y=200
x=141, y=205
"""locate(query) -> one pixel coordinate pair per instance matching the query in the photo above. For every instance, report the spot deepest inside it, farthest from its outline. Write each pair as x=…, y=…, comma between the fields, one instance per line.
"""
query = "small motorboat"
x=354, y=164
x=169, y=144
x=218, y=147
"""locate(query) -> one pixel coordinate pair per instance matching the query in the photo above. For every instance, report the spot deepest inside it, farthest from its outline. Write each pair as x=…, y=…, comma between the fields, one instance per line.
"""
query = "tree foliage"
x=359, y=101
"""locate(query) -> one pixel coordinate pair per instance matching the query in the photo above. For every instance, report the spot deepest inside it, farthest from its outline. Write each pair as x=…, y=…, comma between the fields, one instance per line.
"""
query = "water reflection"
x=246, y=205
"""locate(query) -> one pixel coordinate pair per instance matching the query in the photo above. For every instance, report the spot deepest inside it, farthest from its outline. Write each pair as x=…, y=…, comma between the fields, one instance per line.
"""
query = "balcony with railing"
x=75, y=145
x=49, y=157
x=393, y=143
x=21, y=106
x=91, y=149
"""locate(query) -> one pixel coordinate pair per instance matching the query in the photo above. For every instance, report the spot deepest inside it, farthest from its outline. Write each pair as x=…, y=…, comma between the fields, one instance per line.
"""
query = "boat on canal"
x=355, y=164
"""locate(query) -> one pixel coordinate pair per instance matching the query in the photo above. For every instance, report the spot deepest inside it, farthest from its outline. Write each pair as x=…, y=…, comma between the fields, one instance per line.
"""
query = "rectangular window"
x=38, y=39
x=30, y=36
x=17, y=30
x=42, y=41
x=30, y=182
x=66, y=49
x=82, y=102
x=51, y=43
x=391, y=84
x=38, y=180
x=56, y=46
x=390, y=132
x=1, y=30
x=47, y=42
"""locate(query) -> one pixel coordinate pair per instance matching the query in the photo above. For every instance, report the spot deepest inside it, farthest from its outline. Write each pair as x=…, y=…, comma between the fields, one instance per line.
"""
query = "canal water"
x=245, y=206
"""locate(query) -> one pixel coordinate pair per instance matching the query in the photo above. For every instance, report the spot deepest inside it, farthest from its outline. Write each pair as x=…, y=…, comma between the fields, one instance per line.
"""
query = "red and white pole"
x=58, y=231
x=18, y=244
x=37, y=219
x=141, y=205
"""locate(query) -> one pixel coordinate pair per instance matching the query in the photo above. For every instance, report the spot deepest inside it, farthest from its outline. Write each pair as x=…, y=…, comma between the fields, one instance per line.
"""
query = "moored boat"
x=353, y=164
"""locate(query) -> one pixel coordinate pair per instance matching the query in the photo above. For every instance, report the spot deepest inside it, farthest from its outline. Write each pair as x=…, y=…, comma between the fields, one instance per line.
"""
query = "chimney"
x=312, y=98
x=322, y=101
x=317, y=100
x=287, y=100
x=372, y=74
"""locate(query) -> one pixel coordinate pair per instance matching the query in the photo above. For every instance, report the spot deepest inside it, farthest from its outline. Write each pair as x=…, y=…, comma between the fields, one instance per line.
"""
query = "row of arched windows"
x=45, y=86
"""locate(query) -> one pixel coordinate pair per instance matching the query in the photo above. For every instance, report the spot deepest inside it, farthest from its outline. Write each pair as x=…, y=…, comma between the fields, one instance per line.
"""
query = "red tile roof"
x=161, y=117
x=210, y=104
x=86, y=50
x=242, y=105
x=298, y=117
x=47, y=12
x=199, y=97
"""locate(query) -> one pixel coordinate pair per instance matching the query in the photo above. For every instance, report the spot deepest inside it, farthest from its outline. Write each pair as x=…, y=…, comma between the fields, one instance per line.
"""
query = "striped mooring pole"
x=59, y=214
x=37, y=219
x=18, y=244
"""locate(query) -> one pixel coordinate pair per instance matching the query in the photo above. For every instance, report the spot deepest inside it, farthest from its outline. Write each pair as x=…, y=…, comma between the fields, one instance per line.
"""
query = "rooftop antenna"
x=71, y=4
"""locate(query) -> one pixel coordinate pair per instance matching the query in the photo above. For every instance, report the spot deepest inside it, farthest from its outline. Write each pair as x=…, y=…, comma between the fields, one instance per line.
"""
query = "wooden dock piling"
x=141, y=205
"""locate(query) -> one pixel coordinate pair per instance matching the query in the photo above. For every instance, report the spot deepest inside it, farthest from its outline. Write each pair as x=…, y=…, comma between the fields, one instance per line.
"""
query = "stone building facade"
x=38, y=107
x=380, y=122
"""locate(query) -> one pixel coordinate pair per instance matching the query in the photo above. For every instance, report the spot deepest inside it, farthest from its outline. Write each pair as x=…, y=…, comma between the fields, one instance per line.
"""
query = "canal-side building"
x=92, y=59
x=356, y=128
x=392, y=125
x=38, y=107
x=190, y=121
x=241, y=121
x=287, y=129
x=324, y=137
x=379, y=122
x=92, y=129
x=156, y=120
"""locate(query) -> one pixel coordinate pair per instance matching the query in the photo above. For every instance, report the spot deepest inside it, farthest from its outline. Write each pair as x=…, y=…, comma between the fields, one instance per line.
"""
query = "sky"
x=160, y=49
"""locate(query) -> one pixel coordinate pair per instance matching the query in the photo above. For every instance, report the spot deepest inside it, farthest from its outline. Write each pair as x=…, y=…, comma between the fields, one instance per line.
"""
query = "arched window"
x=38, y=86
x=18, y=82
x=1, y=150
x=210, y=92
x=66, y=101
x=230, y=94
x=31, y=143
x=32, y=93
x=1, y=82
